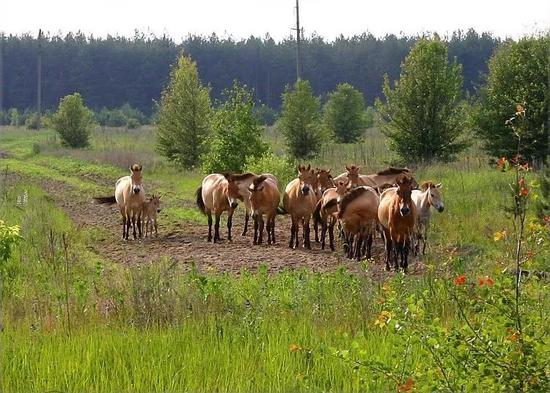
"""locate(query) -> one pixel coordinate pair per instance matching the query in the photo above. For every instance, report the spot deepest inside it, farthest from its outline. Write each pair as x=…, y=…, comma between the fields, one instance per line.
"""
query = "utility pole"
x=1, y=72
x=39, y=81
x=298, y=42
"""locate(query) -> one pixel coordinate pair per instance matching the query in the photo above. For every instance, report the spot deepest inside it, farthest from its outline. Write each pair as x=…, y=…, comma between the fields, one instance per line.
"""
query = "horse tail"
x=200, y=202
x=281, y=210
x=110, y=200
x=317, y=212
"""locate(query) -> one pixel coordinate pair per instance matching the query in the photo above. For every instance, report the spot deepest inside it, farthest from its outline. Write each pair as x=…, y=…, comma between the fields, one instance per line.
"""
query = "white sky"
x=242, y=18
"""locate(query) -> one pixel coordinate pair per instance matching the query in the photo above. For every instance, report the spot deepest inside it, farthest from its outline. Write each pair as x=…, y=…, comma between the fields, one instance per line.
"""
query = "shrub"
x=183, y=118
x=267, y=115
x=9, y=236
x=237, y=133
x=344, y=114
x=281, y=167
x=73, y=121
x=132, y=123
x=32, y=121
x=15, y=117
x=299, y=121
x=518, y=73
x=422, y=114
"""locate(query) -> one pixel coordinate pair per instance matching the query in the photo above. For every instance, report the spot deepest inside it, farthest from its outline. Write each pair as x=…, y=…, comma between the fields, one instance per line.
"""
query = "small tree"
x=237, y=133
x=299, y=121
x=73, y=121
x=183, y=119
x=518, y=72
x=422, y=114
x=344, y=114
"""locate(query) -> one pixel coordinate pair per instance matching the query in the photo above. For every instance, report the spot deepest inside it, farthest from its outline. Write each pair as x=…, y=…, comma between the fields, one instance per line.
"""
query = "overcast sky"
x=242, y=18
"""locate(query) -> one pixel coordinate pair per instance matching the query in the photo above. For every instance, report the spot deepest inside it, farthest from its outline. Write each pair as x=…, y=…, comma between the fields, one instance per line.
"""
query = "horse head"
x=155, y=202
x=136, y=178
x=233, y=192
x=435, y=198
x=324, y=179
x=307, y=178
x=353, y=174
x=257, y=184
x=404, y=189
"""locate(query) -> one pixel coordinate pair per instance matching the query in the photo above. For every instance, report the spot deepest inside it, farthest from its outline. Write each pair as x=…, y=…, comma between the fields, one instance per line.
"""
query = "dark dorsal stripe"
x=241, y=176
x=393, y=171
x=350, y=197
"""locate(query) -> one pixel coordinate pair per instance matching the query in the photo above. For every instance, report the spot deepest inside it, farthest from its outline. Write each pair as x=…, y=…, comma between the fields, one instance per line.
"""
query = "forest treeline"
x=112, y=71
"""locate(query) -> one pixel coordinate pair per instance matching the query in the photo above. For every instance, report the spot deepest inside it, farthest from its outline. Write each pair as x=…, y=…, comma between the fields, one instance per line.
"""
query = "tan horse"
x=428, y=196
x=352, y=174
x=322, y=183
x=218, y=193
x=243, y=182
x=264, y=200
x=299, y=201
x=130, y=196
x=326, y=211
x=397, y=215
x=358, y=211
x=151, y=208
x=387, y=176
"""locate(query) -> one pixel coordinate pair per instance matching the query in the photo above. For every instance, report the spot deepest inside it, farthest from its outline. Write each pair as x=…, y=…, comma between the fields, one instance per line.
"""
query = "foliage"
x=32, y=121
x=299, y=121
x=126, y=115
x=344, y=114
x=73, y=121
x=370, y=114
x=422, y=114
x=9, y=237
x=518, y=73
x=183, y=118
x=15, y=117
x=267, y=115
x=279, y=166
x=237, y=133
x=542, y=204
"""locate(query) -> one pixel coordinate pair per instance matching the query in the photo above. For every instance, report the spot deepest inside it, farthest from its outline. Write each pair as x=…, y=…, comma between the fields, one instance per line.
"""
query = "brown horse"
x=218, y=193
x=387, y=176
x=299, y=201
x=397, y=215
x=323, y=182
x=130, y=196
x=151, y=208
x=264, y=199
x=326, y=211
x=358, y=211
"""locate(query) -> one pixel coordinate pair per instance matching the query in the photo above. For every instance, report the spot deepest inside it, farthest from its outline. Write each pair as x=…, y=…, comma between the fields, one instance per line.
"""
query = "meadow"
x=79, y=315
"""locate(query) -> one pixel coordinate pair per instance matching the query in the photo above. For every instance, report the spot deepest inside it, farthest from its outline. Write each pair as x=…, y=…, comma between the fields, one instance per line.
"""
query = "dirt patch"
x=186, y=243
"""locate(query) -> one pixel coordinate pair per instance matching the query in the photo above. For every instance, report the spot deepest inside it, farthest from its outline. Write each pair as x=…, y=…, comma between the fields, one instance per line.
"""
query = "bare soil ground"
x=186, y=242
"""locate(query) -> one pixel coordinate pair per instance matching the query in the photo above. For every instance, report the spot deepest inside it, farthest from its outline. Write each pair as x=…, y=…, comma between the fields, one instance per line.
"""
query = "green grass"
x=76, y=322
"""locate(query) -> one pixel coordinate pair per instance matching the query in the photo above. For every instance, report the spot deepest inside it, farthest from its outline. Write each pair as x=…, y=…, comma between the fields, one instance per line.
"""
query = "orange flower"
x=294, y=348
x=460, y=280
x=501, y=162
x=521, y=182
x=485, y=281
x=407, y=386
x=489, y=281
x=523, y=191
x=513, y=335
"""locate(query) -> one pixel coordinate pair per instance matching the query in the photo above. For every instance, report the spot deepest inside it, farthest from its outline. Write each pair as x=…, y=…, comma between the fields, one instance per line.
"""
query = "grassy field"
x=75, y=319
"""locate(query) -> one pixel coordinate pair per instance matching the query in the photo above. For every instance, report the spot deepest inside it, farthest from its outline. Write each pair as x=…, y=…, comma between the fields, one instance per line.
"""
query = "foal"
x=264, y=199
x=151, y=208
x=428, y=196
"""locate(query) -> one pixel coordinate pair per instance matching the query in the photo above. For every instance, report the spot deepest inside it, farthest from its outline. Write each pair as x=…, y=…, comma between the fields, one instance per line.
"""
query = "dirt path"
x=186, y=242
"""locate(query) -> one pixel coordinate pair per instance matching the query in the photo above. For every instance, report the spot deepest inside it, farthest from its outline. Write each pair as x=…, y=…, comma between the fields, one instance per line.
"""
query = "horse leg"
x=209, y=226
x=140, y=225
x=425, y=240
x=323, y=235
x=316, y=230
x=291, y=242
x=123, y=226
x=273, y=229
x=260, y=229
x=389, y=244
x=217, y=227
x=350, y=241
x=156, y=229
x=331, y=236
x=268, y=229
x=229, y=223
x=307, y=241
x=359, y=246
x=255, y=241
x=246, y=218
x=405, y=264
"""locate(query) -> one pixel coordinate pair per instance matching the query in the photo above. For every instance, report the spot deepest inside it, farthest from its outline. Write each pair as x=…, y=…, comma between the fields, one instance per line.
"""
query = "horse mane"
x=259, y=180
x=350, y=197
x=393, y=171
x=427, y=184
x=241, y=176
x=136, y=167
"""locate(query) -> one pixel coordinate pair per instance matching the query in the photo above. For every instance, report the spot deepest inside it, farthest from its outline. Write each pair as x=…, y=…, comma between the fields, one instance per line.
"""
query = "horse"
x=387, y=176
x=299, y=201
x=130, y=196
x=358, y=212
x=151, y=207
x=243, y=181
x=428, y=196
x=326, y=211
x=218, y=193
x=352, y=174
x=397, y=216
x=264, y=199
x=323, y=182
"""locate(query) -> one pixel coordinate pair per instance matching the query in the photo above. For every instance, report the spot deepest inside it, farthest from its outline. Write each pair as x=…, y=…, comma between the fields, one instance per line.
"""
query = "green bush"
x=132, y=123
x=9, y=236
x=268, y=116
x=344, y=114
x=73, y=121
x=300, y=121
x=237, y=133
x=32, y=122
x=184, y=115
x=281, y=167
x=15, y=117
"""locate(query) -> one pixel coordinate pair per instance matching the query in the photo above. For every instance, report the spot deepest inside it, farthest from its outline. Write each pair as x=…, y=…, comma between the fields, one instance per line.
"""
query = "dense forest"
x=111, y=71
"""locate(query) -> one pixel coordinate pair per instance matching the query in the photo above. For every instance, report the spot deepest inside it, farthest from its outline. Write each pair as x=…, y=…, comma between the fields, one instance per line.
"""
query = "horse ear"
x=328, y=171
x=140, y=167
x=308, y=167
x=347, y=168
x=439, y=185
x=300, y=168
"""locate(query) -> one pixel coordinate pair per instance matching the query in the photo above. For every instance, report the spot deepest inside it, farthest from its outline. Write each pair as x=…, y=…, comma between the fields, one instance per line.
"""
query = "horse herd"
x=390, y=202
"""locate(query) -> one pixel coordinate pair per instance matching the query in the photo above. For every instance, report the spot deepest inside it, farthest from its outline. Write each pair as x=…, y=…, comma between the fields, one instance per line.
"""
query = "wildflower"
x=294, y=348
x=485, y=281
x=407, y=386
x=523, y=191
x=501, y=163
x=460, y=280
x=383, y=319
x=499, y=235
x=513, y=335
